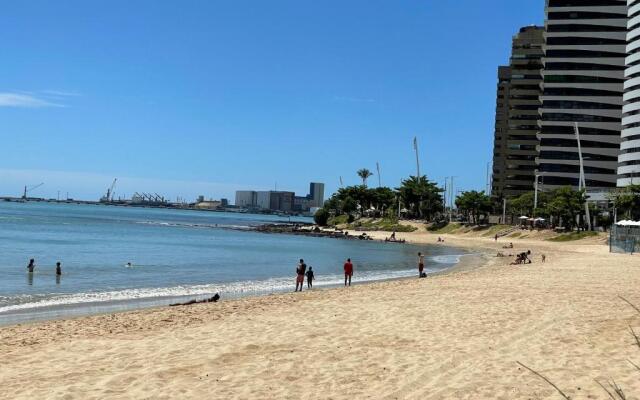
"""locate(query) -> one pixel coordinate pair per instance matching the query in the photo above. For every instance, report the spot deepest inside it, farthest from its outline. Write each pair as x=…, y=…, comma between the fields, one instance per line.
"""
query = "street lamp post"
x=582, y=183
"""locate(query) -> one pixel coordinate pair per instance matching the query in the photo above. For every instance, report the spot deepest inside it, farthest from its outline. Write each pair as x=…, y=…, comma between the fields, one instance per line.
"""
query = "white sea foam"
x=232, y=289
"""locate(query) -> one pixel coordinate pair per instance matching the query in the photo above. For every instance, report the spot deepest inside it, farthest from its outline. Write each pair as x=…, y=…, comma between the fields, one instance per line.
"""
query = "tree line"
x=420, y=198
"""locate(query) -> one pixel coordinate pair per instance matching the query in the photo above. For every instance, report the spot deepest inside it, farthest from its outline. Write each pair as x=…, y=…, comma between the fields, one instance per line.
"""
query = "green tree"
x=525, y=203
x=421, y=197
x=364, y=174
x=349, y=205
x=321, y=217
x=473, y=204
x=627, y=201
x=566, y=204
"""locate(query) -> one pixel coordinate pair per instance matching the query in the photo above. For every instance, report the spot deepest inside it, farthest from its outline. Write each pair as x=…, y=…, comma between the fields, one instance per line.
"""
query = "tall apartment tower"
x=517, y=115
x=629, y=159
x=584, y=63
x=500, y=133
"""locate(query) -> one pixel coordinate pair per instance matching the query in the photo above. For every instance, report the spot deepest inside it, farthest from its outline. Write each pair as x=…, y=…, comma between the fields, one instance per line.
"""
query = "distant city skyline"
x=212, y=97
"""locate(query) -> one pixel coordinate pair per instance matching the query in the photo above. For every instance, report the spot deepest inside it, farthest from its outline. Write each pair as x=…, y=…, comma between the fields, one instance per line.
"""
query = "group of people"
x=302, y=272
x=31, y=267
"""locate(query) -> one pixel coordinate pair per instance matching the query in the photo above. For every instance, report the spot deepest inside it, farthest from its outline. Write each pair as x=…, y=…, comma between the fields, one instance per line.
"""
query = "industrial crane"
x=109, y=196
x=28, y=189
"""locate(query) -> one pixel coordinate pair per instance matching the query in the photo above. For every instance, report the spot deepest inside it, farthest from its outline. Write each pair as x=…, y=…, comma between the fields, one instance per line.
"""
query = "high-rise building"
x=316, y=194
x=584, y=62
x=500, y=133
x=523, y=105
x=629, y=159
x=246, y=198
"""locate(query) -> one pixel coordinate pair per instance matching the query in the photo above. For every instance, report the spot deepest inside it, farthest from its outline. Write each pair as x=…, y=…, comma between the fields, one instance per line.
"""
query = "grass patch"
x=568, y=237
x=449, y=228
x=338, y=220
x=385, y=225
x=515, y=235
x=495, y=229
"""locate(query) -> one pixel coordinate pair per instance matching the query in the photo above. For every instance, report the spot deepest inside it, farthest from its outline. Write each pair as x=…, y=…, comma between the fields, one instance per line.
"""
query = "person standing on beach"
x=300, y=271
x=348, y=272
x=420, y=264
x=31, y=266
x=310, y=278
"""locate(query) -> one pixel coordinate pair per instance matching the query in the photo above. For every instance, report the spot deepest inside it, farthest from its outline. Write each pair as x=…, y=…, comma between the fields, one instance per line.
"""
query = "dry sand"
x=453, y=336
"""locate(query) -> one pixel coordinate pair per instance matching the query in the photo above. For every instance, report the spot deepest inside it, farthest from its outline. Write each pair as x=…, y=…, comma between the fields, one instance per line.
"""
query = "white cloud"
x=25, y=100
x=60, y=93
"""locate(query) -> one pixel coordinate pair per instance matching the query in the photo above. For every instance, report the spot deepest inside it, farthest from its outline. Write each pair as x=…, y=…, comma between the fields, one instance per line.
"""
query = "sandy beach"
x=452, y=336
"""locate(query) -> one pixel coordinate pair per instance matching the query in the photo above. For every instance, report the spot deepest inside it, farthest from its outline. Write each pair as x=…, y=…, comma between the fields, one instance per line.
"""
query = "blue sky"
x=205, y=97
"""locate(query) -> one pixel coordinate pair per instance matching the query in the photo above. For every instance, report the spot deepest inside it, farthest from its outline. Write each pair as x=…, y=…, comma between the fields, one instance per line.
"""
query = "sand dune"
x=454, y=336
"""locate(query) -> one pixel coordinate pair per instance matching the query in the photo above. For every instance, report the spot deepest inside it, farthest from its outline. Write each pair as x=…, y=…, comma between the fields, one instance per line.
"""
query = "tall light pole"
x=379, y=178
x=582, y=183
x=535, y=196
x=451, y=194
x=488, y=179
x=415, y=147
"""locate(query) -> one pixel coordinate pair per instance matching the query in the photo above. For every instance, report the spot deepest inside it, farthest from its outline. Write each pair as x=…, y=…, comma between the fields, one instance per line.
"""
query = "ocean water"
x=175, y=254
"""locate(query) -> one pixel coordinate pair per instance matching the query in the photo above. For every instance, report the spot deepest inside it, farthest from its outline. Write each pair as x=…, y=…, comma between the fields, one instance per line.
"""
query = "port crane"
x=29, y=189
x=109, y=196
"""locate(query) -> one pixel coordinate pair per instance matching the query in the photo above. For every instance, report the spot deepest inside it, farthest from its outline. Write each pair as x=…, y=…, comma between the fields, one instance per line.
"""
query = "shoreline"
x=61, y=312
x=454, y=335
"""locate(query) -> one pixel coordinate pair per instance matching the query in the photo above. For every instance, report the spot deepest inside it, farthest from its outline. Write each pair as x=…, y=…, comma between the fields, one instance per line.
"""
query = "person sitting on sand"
x=58, y=269
x=310, y=278
x=300, y=271
x=348, y=271
x=31, y=266
x=420, y=264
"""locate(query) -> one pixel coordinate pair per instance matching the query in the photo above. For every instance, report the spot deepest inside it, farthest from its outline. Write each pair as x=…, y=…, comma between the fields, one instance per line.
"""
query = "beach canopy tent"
x=628, y=223
x=539, y=220
x=523, y=217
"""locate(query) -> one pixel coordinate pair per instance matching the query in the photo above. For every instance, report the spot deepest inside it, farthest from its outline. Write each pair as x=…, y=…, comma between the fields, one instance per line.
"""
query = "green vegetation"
x=385, y=225
x=495, y=229
x=338, y=220
x=448, y=228
x=417, y=197
x=568, y=237
x=473, y=204
x=321, y=217
x=364, y=174
x=627, y=201
x=421, y=197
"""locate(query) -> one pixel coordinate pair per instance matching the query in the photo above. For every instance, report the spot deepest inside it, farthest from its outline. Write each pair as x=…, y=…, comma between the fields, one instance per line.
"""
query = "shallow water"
x=174, y=253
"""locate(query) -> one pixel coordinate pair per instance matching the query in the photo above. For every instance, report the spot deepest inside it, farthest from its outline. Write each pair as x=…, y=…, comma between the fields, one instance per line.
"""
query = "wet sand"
x=452, y=336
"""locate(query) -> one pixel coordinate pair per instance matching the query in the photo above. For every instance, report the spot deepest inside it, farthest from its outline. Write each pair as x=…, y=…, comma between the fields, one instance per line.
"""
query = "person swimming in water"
x=31, y=266
x=58, y=269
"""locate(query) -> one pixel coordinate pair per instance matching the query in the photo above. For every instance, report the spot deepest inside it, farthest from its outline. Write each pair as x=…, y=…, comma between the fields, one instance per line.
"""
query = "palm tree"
x=364, y=174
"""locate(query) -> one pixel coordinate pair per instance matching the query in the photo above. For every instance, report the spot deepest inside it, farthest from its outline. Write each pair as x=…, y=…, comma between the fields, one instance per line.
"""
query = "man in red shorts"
x=348, y=272
x=300, y=271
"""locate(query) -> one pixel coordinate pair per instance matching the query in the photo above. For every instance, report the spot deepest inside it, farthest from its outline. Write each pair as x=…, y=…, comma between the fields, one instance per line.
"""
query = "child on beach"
x=310, y=278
